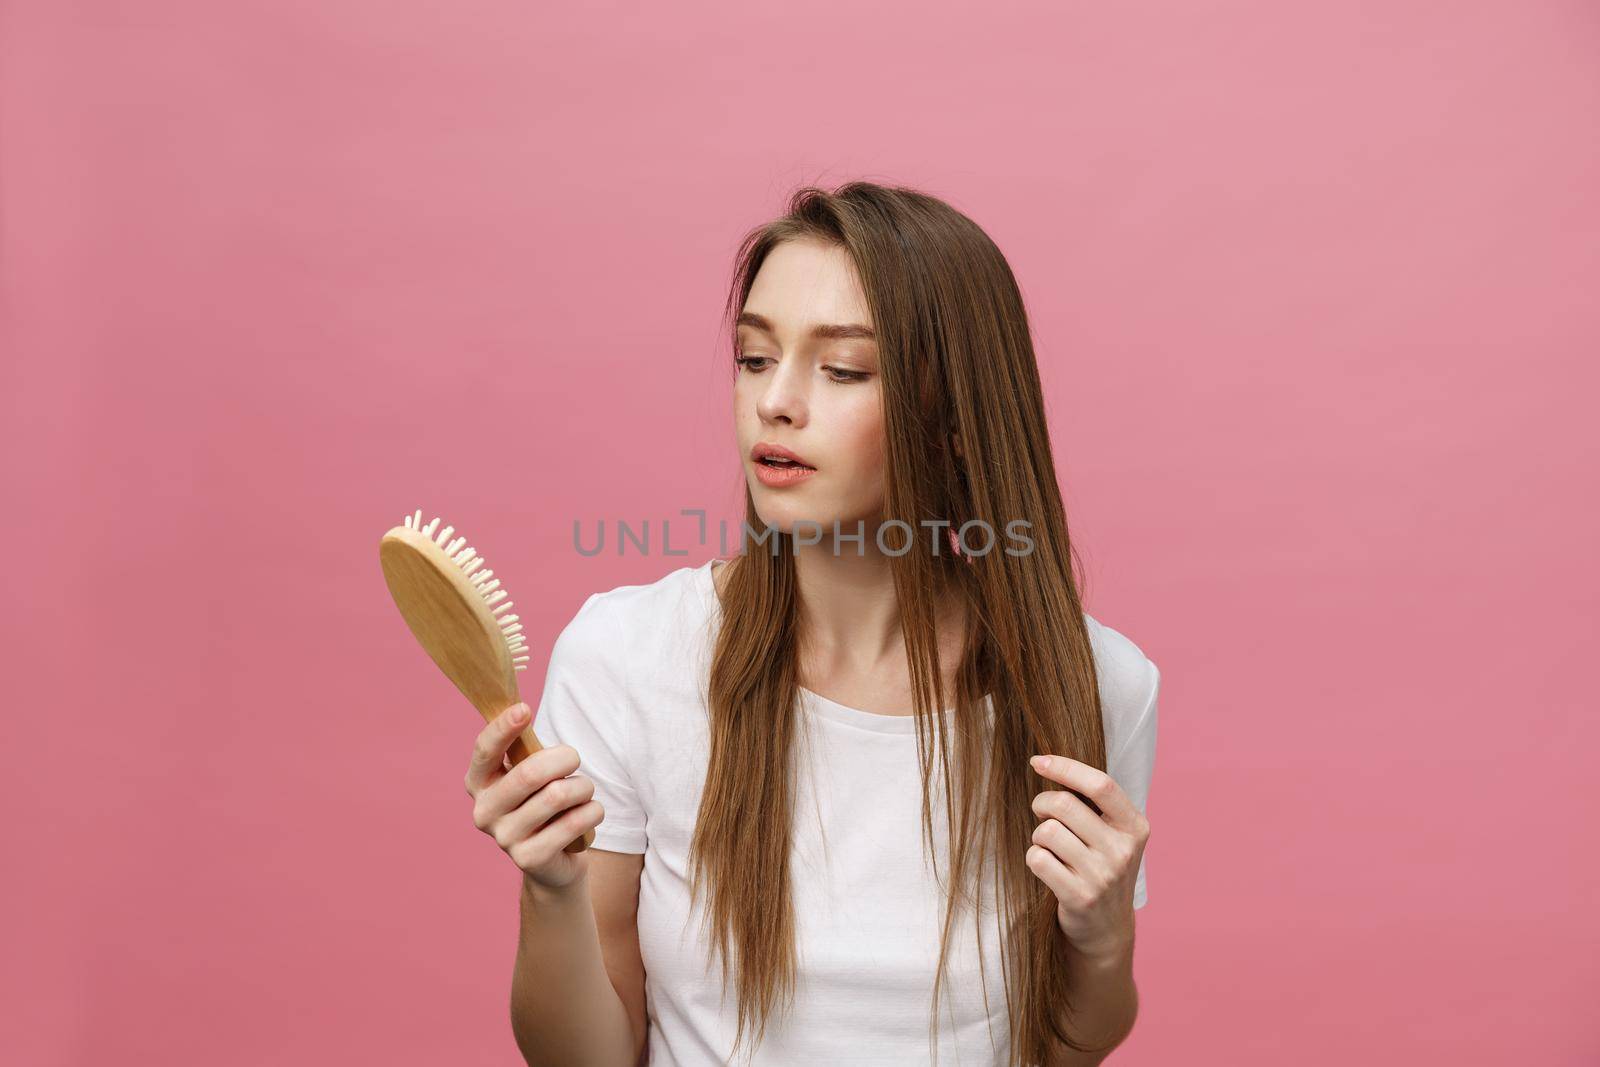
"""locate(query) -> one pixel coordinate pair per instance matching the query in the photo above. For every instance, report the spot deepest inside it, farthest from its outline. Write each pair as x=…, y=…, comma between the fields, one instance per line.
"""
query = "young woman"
x=818, y=832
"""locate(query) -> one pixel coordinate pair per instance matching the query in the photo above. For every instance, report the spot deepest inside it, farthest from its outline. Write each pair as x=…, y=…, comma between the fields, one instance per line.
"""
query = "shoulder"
x=1129, y=681
x=679, y=595
x=633, y=623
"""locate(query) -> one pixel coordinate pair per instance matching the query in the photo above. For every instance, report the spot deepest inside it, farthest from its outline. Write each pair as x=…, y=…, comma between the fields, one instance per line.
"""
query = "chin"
x=783, y=517
x=778, y=517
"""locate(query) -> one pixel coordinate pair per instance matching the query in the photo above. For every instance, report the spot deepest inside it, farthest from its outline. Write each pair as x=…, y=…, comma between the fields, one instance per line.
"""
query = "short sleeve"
x=1133, y=765
x=586, y=704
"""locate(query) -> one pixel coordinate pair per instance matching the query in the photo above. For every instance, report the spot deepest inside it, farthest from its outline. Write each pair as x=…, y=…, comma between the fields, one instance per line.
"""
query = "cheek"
x=861, y=434
x=744, y=404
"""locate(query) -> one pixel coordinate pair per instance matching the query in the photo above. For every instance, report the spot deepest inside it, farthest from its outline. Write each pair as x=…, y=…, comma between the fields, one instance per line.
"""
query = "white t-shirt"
x=626, y=687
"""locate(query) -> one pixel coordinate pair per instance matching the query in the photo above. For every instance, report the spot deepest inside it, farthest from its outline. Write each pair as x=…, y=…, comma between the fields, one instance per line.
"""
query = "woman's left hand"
x=1089, y=861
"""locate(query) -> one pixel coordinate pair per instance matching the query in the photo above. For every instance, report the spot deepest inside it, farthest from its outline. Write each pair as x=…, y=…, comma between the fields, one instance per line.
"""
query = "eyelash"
x=850, y=376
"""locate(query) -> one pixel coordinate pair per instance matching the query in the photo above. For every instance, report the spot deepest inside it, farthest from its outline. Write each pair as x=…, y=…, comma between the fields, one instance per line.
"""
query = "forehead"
x=805, y=282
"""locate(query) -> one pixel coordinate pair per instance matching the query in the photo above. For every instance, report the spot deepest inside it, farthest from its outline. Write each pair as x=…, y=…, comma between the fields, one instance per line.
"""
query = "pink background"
x=1315, y=296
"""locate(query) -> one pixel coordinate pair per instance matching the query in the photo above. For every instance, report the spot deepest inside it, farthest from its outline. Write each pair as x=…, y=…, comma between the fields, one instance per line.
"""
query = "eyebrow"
x=823, y=332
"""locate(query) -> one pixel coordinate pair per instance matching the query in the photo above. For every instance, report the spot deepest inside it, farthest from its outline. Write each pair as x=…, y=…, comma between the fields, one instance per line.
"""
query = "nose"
x=783, y=399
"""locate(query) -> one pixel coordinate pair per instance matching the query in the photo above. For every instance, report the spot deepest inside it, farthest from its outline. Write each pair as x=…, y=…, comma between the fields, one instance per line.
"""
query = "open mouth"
x=783, y=464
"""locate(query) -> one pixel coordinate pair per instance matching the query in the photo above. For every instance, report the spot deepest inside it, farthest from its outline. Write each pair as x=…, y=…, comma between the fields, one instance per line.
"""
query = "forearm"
x=1104, y=1003
x=564, y=1009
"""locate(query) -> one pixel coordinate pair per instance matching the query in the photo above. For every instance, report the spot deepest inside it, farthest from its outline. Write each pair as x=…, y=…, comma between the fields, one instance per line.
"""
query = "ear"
x=955, y=441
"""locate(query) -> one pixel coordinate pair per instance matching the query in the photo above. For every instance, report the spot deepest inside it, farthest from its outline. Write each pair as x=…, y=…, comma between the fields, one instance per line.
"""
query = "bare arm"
x=577, y=994
x=577, y=991
x=1107, y=1003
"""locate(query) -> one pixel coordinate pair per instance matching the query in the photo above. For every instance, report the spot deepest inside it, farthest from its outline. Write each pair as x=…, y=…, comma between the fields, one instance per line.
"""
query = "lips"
x=777, y=457
x=782, y=476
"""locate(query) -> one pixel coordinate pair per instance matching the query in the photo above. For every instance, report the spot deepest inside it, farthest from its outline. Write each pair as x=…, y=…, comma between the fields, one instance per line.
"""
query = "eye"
x=744, y=362
x=840, y=376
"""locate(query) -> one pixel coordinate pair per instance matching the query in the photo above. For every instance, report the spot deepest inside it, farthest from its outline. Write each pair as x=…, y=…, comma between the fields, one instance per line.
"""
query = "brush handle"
x=526, y=744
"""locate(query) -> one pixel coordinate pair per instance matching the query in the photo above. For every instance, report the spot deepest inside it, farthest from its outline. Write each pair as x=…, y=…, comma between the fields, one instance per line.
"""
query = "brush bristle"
x=467, y=558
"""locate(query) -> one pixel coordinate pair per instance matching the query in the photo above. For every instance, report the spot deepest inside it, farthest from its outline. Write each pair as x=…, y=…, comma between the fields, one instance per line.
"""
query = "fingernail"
x=1038, y=762
x=519, y=713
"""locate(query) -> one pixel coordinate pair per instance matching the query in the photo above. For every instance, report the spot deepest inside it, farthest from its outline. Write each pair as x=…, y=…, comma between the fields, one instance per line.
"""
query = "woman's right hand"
x=534, y=810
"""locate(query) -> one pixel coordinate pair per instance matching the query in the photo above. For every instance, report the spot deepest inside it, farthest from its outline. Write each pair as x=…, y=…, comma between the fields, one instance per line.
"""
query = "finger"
x=512, y=788
x=1052, y=872
x=1063, y=806
x=488, y=752
x=554, y=837
x=1066, y=845
x=1096, y=785
x=549, y=801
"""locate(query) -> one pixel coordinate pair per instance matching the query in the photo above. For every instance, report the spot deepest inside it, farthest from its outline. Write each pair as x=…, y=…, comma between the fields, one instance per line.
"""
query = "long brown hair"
x=955, y=357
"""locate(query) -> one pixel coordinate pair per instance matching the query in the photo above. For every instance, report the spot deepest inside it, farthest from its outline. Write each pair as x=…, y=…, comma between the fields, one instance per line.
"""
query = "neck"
x=849, y=614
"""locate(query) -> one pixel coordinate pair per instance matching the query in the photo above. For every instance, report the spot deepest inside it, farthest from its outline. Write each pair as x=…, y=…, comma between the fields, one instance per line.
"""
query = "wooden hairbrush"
x=459, y=616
